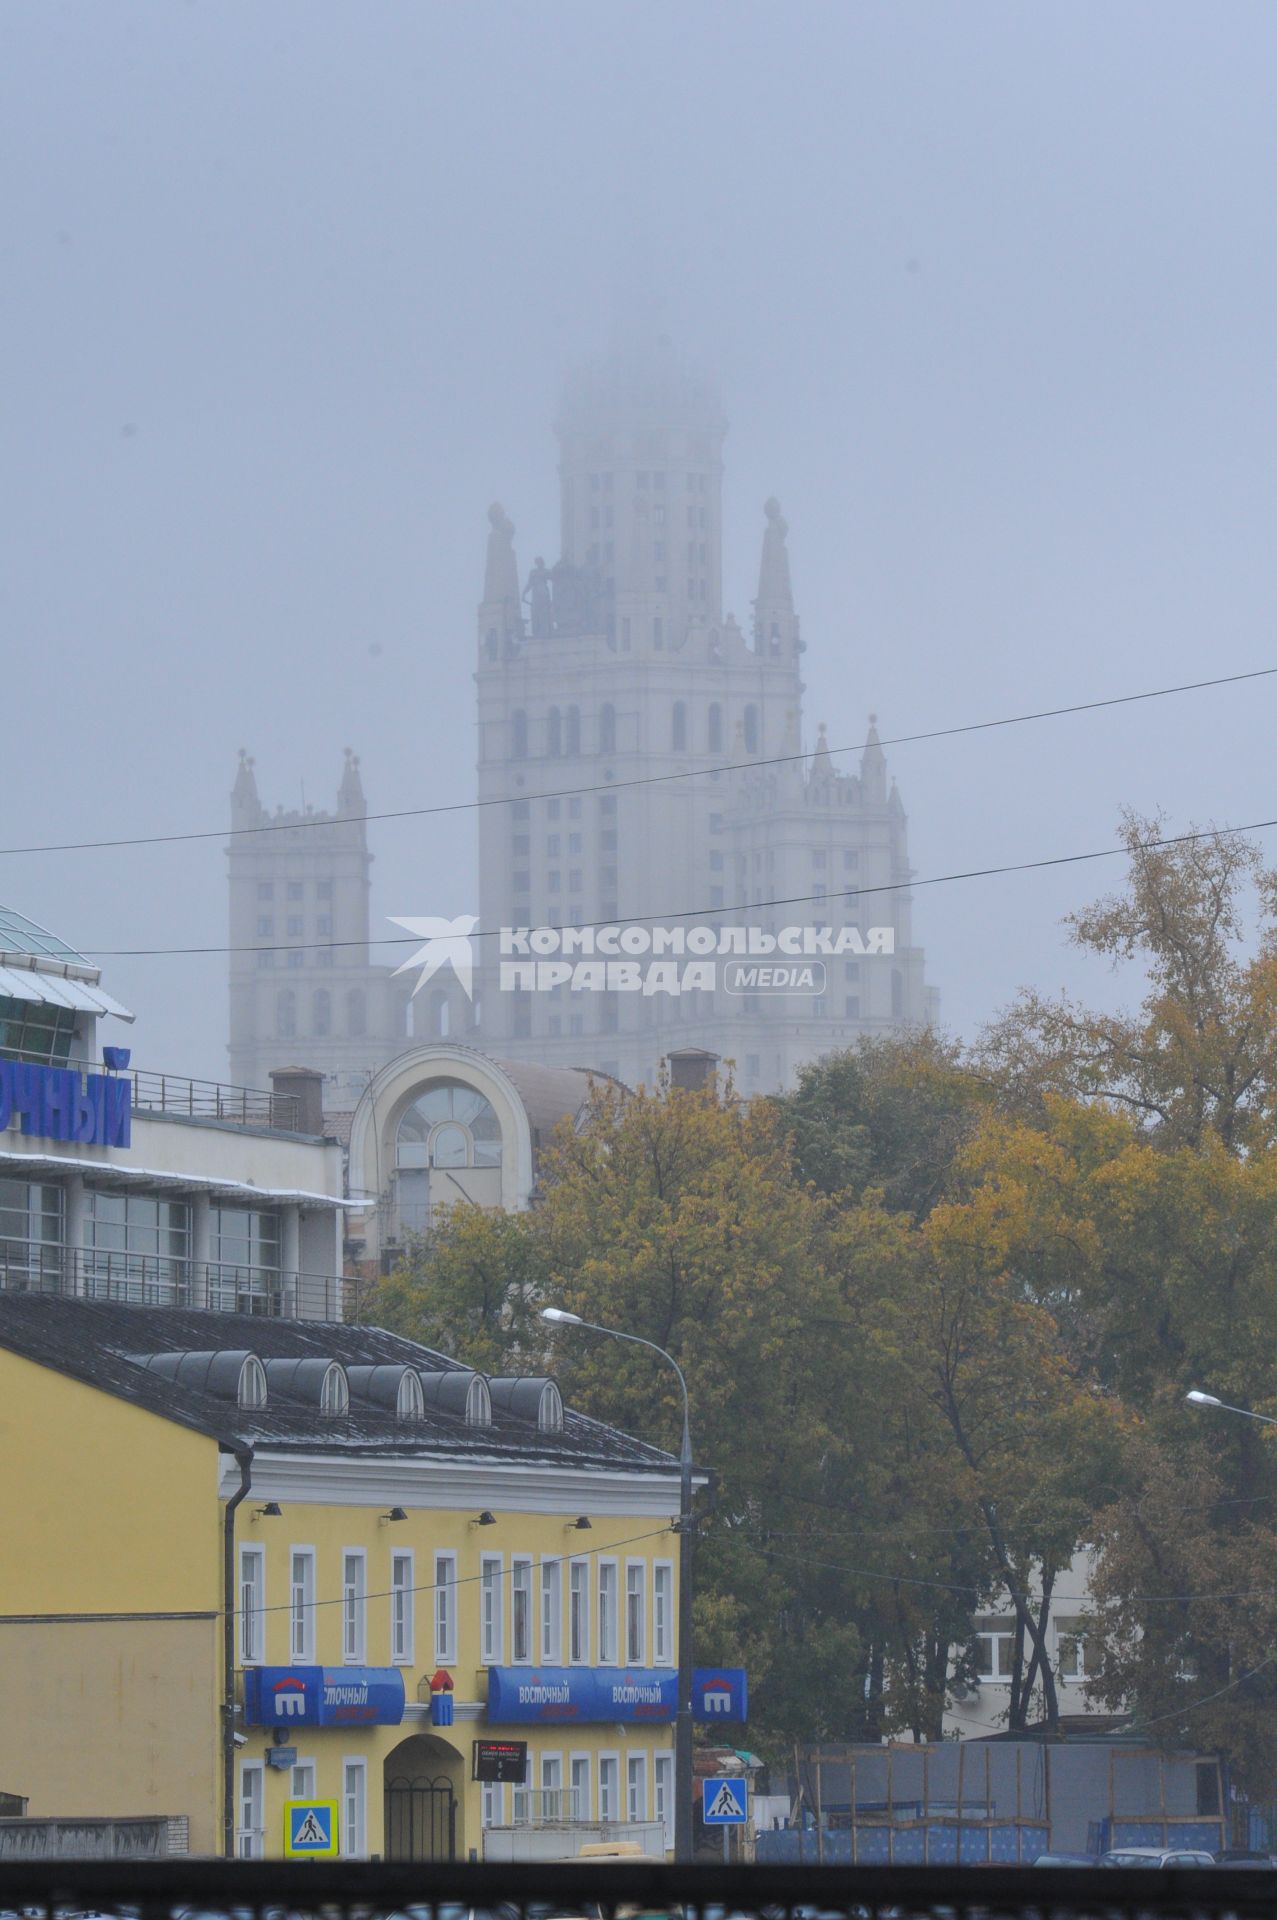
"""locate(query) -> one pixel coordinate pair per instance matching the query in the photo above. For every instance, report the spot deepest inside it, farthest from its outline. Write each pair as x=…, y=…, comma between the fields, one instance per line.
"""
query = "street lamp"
x=1199, y=1399
x=683, y=1722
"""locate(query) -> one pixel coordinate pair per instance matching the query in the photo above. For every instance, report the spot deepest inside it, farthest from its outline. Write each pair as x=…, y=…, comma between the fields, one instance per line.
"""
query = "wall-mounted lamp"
x=271, y=1511
x=395, y=1513
x=484, y=1519
x=580, y=1525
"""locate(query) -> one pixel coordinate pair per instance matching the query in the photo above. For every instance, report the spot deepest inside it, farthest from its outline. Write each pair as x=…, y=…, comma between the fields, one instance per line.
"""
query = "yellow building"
x=238, y=1548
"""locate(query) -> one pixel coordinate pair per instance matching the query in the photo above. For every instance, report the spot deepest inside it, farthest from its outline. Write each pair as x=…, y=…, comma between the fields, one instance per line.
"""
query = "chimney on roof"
x=305, y=1087
x=692, y=1068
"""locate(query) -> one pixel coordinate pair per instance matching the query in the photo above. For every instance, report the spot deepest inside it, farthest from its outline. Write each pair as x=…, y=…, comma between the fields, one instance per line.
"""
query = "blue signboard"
x=323, y=1696
x=720, y=1693
x=520, y=1695
x=61, y=1103
x=726, y=1802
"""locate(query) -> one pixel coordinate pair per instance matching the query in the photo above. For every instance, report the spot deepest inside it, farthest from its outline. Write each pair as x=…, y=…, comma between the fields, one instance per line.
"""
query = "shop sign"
x=323, y=1696
x=501, y=1762
x=61, y=1103
x=582, y=1694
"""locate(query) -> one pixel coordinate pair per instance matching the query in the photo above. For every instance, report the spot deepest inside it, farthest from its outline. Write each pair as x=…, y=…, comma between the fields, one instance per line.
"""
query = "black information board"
x=501, y=1761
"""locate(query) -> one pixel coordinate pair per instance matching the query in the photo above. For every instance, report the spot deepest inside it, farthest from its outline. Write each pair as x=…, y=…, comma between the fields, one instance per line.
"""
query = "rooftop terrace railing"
x=155, y=1280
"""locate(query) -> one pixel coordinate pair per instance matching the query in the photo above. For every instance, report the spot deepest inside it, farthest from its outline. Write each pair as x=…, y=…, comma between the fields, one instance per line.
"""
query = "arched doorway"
x=423, y=1781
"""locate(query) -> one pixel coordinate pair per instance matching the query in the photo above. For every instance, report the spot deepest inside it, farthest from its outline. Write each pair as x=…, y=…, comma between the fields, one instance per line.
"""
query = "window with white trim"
x=250, y=1835
x=520, y=1610
x=551, y=1612
x=579, y=1614
x=301, y=1604
x=609, y=1787
x=581, y=1808
x=252, y=1605
x=662, y=1614
x=354, y=1607
x=1072, y=1649
x=635, y=1613
x=354, y=1809
x=994, y=1648
x=607, y=1617
x=403, y=1608
x=552, y=1787
x=491, y=1624
x=663, y=1794
x=446, y=1609
x=302, y=1780
x=492, y=1805
x=636, y=1787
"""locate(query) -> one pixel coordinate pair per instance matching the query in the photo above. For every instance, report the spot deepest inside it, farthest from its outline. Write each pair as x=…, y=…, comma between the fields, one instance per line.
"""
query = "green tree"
x=472, y=1286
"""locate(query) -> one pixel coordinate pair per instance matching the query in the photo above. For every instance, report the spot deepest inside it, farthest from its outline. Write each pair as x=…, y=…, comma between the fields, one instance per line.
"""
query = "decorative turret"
x=821, y=764
x=350, y=794
x=246, y=806
x=775, y=622
x=873, y=767
x=501, y=610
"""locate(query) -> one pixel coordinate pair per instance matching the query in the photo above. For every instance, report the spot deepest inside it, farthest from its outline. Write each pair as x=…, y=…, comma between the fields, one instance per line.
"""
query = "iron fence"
x=159, y=1280
x=169, y=1093
x=158, y=1889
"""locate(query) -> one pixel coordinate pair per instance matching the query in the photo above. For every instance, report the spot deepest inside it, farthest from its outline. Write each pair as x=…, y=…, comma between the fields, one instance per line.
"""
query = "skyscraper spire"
x=873, y=766
x=246, y=806
x=775, y=624
x=350, y=794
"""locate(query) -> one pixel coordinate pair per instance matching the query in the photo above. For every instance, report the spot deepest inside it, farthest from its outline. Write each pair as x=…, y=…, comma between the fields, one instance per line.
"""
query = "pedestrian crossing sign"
x=726, y=1802
x=310, y=1829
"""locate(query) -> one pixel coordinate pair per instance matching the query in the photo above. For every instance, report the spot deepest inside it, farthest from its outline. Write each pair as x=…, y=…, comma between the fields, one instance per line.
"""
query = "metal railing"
x=170, y=1093
x=344, y=1889
x=155, y=1280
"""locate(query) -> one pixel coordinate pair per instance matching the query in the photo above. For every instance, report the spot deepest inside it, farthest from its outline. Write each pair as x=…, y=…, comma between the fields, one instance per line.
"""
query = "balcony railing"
x=169, y=1093
x=153, y=1280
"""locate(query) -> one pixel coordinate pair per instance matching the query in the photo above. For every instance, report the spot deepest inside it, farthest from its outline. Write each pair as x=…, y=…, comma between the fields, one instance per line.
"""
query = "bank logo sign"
x=323, y=1696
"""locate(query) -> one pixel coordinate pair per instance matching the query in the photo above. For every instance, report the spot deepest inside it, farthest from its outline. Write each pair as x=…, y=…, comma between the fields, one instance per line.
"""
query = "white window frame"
x=252, y=1606
x=609, y=1814
x=1070, y=1638
x=354, y=1607
x=993, y=1641
x=578, y=1613
x=445, y=1586
x=581, y=1785
x=609, y=1630
x=403, y=1608
x=492, y=1804
x=551, y=1610
x=491, y=1609
x=354, y=1832
x=250, y=1836
x=301, y=1607
x=663, y=1613
x=638, y=1659
x=636, y=1772
x=551, y=1763
x=663, y=1794
x=521, y=1584
x=301, y=1780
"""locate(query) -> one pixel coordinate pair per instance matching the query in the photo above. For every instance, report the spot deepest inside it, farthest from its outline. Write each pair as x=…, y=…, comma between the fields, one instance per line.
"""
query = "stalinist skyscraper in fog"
x=609, y=664
x=617, y=663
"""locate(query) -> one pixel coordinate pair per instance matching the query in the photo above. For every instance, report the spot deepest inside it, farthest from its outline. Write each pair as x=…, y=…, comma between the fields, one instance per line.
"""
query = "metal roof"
x=38, y=966
x=20, y=935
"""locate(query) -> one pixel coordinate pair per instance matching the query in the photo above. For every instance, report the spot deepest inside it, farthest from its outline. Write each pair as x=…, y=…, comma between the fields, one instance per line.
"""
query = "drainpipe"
x=244, y=1461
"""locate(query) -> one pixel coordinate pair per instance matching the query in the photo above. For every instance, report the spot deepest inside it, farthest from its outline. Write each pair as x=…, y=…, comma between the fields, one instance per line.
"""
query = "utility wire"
x=706, y=913
x=639, y=780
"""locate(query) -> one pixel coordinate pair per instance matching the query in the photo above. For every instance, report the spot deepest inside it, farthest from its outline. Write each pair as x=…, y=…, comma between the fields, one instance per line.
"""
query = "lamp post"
x=1199, y=1399
x=683, y=1722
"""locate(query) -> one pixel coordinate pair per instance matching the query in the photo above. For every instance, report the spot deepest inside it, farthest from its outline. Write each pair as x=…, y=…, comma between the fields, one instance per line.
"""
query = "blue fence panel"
x=942, y=1846
x=973, y=1847
x=909, y=1846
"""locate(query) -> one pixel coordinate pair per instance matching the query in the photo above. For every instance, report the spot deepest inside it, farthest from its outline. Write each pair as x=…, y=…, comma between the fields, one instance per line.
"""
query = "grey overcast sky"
x=988, y=291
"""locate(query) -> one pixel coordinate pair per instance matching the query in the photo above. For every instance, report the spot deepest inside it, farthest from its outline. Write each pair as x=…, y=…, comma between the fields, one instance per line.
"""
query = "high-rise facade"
x=642, y=765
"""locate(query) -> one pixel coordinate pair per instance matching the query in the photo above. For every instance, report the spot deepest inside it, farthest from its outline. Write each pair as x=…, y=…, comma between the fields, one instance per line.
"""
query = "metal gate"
x=421, y=1818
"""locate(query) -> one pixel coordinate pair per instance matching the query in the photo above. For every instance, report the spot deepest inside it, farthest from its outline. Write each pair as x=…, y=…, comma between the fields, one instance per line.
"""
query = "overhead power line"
x=639, y=780
x=824, y=901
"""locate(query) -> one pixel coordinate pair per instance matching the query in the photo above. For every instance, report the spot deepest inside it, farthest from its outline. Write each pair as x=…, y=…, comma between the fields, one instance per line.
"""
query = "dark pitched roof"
x=90, y=1340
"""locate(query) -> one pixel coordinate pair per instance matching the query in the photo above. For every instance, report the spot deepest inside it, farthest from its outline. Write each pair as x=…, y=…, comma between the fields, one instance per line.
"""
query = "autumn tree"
x=472, y=1285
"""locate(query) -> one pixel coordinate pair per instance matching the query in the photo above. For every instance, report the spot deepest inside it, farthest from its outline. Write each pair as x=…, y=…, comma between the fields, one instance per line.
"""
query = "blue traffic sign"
x=310, y=1829
x=726, y=1802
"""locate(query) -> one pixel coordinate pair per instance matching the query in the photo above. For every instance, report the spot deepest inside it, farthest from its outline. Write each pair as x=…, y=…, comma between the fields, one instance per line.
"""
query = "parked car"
x=1065, y=1860
x=1157, y=1857
x=1242, y=1857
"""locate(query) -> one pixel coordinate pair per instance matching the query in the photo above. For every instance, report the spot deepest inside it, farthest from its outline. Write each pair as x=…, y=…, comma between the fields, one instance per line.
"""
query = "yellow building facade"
x=350, y=1516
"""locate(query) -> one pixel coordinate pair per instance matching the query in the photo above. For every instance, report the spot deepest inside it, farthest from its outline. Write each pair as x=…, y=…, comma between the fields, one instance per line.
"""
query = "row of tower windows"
x=563, y=732
x=696, y=482
x=295, y=890
x=321, y=1013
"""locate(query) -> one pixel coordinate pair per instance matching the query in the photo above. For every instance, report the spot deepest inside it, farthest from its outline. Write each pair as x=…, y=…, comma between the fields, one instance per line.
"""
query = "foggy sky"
x=988, y=292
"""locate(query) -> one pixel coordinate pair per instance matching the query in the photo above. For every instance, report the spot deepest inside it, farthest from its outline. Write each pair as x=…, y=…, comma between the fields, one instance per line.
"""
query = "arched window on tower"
x=518, y=734
x=678, y=729
x=574, y=731
x=554, y=734
x=321, y=1012
x=356, y=1012
x=440, y=1013
x=607, y=728
x=286, y=1014
x=715, y=740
